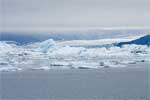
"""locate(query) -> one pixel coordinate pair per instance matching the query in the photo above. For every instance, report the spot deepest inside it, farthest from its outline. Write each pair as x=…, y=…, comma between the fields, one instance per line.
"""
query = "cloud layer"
x=48, y=14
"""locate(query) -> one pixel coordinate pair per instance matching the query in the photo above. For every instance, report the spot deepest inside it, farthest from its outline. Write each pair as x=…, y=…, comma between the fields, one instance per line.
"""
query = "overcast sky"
x=39, y=15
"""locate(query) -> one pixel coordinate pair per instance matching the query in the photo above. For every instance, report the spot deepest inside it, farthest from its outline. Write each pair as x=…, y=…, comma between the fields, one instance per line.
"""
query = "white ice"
x=53, y=55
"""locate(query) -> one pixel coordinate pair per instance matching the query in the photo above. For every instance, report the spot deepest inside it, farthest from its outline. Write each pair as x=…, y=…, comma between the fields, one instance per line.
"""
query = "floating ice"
x=7, y=69
x=66, y=51
x=46, y=45
x=50, y=55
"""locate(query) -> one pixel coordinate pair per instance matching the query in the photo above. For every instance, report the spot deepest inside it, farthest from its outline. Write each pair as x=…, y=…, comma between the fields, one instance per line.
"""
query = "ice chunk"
x=46, y=45
x=49, y=55
x=7, y=69
x=67, y=51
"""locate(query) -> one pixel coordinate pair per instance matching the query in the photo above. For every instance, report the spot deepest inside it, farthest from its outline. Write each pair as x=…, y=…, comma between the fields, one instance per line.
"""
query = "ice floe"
x=50, y=55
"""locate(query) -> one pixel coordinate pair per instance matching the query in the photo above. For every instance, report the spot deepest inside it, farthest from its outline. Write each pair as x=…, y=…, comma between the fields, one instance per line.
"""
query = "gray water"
x=130, y=83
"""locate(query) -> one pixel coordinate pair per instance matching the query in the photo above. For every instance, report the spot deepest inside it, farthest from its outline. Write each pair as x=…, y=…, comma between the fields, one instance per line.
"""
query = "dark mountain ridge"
x=145, y=40
x=26, y=38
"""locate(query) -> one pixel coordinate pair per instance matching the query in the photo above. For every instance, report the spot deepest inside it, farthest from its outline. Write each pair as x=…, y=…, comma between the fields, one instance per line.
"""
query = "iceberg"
x=145, y=40
x=49, y=54
x=7, y=69
x=66, y=51
x=46, y=45
x=4, y=47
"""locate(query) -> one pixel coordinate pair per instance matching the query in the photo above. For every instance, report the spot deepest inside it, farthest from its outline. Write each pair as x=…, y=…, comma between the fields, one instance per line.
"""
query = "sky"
x=41, y=15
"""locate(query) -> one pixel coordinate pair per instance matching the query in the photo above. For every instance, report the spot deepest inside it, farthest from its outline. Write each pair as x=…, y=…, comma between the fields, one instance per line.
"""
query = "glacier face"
x=51, y=55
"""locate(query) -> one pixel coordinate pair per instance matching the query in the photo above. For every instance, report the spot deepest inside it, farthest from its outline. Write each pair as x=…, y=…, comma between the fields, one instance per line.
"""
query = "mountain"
x=145, y=40
x=23, y=38
x=27, y=37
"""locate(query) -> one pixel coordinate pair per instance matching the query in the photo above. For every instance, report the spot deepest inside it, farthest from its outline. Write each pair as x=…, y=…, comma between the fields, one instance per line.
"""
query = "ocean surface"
x=129, y=83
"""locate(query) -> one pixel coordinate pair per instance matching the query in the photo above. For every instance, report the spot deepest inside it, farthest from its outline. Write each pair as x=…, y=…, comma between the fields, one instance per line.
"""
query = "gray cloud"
x=46, y=14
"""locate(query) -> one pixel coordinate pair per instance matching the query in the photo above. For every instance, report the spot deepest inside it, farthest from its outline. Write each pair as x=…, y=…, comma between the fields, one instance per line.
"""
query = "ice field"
x=81, y=54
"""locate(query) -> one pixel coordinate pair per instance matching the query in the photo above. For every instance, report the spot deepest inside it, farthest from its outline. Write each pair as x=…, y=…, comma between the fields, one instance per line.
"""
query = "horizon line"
x=55, y=29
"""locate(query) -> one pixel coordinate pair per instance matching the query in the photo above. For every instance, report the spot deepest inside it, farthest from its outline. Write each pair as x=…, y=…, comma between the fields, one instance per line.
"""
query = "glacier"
x=52, y=54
